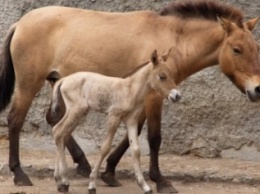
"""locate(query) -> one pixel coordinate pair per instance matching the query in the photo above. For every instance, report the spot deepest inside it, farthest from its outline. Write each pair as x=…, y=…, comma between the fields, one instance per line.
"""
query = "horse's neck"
x=197, y=47
x=138, y=82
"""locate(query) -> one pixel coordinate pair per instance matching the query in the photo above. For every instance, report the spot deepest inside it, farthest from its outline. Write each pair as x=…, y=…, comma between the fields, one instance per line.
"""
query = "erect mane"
x=133, y=71
x=207, y=9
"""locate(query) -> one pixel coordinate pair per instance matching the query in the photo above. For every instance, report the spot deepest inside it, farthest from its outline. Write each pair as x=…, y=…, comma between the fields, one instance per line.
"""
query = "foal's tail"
x=7, y=76
x=57, y=108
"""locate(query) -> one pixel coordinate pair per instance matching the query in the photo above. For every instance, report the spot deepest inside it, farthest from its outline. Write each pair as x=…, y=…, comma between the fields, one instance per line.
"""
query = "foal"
x=121, y=98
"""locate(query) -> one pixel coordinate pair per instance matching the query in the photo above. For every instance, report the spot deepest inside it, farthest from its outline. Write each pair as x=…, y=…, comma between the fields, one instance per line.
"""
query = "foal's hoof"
x=109, y=178
x=22, y=180
x=63, y=188
x=148, y=192
x=92, y=191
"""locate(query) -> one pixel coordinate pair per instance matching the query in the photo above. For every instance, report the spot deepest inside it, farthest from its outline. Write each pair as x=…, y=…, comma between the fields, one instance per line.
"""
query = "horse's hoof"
x=165, y=187
x=84, y=170
x=109, y=178
x=92, y=191
x=63, y=188
x=148, y=192
x=22, y=180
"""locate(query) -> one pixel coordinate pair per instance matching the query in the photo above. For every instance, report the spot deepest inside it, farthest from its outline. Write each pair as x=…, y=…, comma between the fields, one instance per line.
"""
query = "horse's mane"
x=207, y=9
x=133, y=71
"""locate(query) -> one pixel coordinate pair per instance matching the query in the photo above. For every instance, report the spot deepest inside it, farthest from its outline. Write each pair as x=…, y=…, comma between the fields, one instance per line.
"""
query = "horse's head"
x=239, y=57
x=161, y=78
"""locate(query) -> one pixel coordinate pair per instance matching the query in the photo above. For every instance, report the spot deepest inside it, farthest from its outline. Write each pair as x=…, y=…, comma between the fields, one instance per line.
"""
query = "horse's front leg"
x=153, y=110
x=109, y=175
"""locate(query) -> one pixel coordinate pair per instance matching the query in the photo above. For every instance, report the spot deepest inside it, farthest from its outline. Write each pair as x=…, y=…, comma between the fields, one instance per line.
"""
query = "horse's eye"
x=162, y=77
x=236, y=51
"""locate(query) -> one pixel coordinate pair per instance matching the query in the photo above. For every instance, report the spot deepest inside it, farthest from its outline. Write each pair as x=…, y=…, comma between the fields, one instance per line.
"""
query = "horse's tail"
x=57, y=108
x=7, y=76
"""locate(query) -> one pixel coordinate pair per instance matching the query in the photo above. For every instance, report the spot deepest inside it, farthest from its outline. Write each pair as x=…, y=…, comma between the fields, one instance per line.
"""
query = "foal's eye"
x=237, y=51
x=162, y=77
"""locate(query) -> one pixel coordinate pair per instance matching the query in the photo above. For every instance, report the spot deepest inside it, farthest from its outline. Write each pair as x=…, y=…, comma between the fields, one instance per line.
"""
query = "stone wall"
x=213, y=118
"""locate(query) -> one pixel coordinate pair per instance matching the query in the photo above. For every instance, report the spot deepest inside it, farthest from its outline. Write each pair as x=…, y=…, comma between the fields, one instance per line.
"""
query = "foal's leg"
x=62, y=132
x=21, y=102
x=113, y=123
x=75, y=151
x=135, y=148
x=153, y=109
x=109, y=175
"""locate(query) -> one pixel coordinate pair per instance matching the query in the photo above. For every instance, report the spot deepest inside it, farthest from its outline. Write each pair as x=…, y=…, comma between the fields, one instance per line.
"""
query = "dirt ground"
x=189, y=174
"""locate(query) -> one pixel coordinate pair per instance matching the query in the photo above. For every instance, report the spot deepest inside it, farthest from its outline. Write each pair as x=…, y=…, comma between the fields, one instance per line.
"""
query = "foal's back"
x=94, y=91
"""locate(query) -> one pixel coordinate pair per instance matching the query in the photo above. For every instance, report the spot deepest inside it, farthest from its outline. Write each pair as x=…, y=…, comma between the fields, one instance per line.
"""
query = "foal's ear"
x=166, y=55
x=154, y=58
x=226, y=24
x=250, y=24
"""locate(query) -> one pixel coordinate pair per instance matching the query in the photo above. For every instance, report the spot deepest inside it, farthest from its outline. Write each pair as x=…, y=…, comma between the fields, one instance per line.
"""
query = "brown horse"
x=67, y=40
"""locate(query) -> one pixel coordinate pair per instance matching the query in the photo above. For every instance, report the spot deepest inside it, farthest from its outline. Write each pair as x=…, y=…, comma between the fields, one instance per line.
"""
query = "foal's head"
x=161, y=78
x=239, y=56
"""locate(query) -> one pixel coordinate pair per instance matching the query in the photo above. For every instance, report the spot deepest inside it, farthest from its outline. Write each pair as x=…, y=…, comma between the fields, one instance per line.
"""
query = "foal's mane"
x=207, y=9
x=133, y=71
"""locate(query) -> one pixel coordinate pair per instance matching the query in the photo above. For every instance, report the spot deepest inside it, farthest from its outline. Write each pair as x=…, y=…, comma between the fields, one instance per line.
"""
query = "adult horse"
x=67, y=40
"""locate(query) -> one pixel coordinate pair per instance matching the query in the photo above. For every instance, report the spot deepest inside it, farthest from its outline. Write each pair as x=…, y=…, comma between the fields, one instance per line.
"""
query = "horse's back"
x=69, y=40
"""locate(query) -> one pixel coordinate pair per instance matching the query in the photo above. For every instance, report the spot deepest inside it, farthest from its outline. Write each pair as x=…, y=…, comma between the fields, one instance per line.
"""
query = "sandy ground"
x=189, y=174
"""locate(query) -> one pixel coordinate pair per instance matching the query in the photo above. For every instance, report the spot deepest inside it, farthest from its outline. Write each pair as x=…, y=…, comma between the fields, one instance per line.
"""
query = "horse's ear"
x=250, y=24
x=166, y=55
x=154, y=58
x=226, y=24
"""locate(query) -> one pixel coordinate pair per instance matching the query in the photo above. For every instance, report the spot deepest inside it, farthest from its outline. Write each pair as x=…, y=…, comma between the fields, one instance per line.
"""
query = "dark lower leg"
x=78, y=157
x=14, y=125
x=153, y=108
x=109, y=175
x=162, y=184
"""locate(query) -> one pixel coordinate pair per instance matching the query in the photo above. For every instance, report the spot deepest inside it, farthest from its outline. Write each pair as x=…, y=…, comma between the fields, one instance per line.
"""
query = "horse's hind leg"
x=109, y=175
x=78, y=157
x=21, y=103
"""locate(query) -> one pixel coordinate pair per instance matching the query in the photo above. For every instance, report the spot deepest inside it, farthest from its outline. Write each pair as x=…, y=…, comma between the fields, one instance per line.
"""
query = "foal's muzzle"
x=254, y=95
x=174, y=95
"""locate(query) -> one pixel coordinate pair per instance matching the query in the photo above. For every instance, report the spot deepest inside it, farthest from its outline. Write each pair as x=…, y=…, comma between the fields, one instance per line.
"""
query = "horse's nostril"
x=257, y=90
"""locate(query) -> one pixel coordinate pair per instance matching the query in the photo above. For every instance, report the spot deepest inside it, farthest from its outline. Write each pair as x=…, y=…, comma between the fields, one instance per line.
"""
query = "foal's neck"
x=197, y=47
x=137, y=82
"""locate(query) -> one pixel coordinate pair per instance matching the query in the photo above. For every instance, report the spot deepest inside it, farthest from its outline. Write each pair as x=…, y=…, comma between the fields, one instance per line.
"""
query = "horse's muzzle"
x=174, y=95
